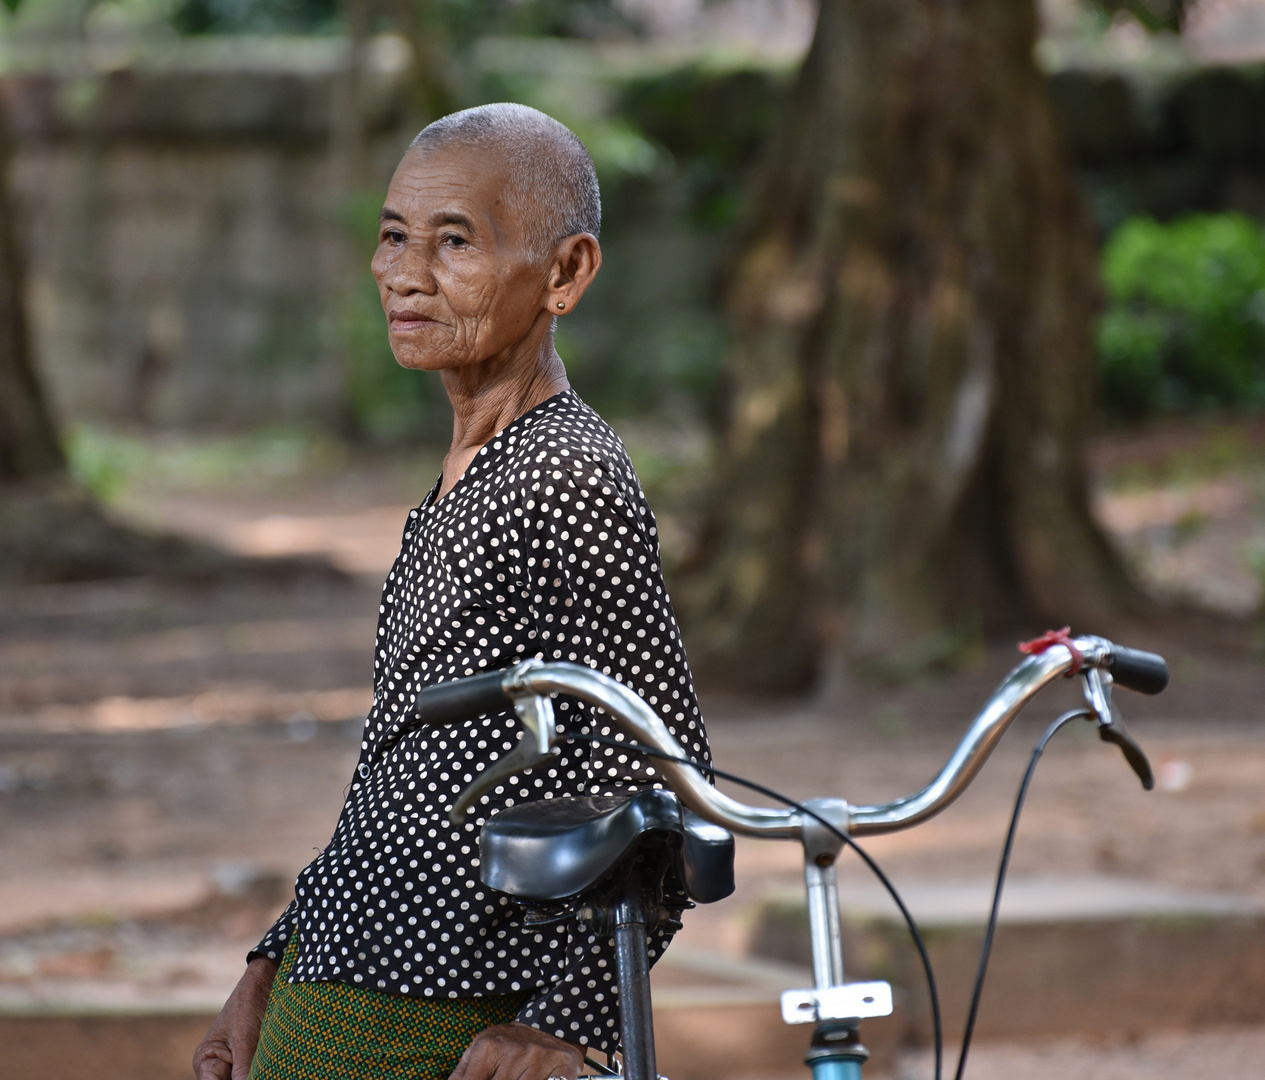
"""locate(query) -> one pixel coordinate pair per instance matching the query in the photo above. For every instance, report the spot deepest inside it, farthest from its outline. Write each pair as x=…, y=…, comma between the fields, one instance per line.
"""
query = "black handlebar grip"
x=1145, y=672
x=461, y=699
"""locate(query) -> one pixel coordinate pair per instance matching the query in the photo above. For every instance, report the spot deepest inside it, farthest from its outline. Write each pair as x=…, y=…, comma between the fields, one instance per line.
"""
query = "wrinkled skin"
x=463, y=297
x=518, y=1052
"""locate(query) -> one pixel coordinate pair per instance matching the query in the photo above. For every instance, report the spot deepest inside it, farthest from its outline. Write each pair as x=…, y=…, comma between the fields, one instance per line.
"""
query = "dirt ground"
x=171, y=756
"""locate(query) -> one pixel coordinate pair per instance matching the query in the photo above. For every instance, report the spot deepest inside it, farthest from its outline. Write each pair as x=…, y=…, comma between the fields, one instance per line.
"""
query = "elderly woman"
x=394, y=960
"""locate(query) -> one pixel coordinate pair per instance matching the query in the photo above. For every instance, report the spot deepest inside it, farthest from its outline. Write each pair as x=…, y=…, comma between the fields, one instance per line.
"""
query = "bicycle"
x=627, y=865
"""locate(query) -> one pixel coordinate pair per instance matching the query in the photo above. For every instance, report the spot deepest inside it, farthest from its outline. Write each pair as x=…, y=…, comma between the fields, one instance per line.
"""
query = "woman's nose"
x=412, y=271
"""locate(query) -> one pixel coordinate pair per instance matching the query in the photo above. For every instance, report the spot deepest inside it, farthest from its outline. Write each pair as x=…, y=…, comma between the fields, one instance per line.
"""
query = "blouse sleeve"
x=274, y=941
x=598, y=598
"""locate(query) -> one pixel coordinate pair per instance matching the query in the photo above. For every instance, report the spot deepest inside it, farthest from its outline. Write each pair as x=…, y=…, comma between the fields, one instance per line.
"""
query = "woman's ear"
x=576, y=261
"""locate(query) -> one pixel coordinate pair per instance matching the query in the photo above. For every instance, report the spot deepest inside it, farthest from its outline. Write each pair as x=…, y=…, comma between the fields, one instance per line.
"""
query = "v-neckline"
x=483, y=456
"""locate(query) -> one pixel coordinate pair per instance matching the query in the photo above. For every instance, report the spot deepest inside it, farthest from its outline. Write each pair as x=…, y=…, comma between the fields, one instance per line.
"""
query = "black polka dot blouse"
x=545, y=547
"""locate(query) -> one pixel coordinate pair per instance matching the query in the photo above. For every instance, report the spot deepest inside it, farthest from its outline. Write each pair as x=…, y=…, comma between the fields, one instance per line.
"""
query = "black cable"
x=914, y=932
x=987, y=948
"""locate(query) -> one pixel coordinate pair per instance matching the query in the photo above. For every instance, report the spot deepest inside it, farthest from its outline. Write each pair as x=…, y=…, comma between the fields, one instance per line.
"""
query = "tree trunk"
x=29, y=450
x=435, y=75
x=912, y=380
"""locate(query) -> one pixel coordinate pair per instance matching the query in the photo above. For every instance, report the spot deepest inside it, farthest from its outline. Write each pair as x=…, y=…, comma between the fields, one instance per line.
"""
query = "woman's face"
x=457, y=285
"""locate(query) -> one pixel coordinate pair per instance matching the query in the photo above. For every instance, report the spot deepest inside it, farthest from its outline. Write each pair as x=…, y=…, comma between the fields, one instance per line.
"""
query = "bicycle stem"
x=821, y=880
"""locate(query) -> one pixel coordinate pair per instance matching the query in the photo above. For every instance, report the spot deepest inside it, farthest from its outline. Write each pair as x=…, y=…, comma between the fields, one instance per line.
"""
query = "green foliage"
x=708, y=113
x=650, y=335
x=100, y=463
x=255, y=16
x=713, y=124
x=1154, y=15
x=110, y=462
x=467, y=20
x=1185, y=326
x=461, y=22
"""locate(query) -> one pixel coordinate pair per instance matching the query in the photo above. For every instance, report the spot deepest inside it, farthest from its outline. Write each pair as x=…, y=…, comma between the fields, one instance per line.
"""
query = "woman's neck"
x=490, y=402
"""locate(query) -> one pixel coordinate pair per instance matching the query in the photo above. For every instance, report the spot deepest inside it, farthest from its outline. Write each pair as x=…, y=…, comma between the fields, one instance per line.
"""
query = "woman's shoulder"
x=567, y=463
x=567, y=436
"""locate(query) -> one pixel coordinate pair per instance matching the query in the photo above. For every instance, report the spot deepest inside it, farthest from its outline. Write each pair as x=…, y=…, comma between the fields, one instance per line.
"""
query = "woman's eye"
x=393, y=236
x=454, y=240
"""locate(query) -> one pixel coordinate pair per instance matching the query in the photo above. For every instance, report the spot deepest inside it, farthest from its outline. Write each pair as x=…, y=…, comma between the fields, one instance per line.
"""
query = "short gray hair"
x=552, y=184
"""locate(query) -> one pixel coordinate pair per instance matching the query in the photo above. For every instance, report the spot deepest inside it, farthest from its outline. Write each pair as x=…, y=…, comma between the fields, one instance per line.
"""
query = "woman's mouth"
x=402, y=322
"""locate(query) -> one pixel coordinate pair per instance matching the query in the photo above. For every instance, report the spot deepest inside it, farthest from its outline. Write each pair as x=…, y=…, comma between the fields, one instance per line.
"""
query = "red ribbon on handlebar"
x=1055, y=637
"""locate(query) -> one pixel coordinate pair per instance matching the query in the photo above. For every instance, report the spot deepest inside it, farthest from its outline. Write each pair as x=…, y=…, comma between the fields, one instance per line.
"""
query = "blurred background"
x=929, y=325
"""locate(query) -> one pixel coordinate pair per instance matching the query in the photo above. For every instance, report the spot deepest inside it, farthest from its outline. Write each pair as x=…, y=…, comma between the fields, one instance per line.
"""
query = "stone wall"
x=191, y=260
x=1192, y=140
x=186, y=242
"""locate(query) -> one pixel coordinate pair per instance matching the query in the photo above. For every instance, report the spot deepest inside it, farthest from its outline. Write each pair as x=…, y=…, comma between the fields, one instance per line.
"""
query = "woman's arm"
x=596, y=589
x=229, y=1047
x=602, y=593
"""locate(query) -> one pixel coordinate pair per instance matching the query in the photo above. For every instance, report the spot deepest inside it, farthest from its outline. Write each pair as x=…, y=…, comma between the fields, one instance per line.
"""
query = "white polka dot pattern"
x=545, y=547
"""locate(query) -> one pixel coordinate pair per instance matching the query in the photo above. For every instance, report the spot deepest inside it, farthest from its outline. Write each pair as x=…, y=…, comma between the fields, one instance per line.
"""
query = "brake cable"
x=987, y=947
x=932, y=992
x=915, y=934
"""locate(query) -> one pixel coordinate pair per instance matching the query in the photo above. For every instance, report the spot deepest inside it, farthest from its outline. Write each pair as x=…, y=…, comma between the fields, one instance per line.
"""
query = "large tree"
x=29, y=450
x=38, y=503
x=912, y=381
x=51, y=529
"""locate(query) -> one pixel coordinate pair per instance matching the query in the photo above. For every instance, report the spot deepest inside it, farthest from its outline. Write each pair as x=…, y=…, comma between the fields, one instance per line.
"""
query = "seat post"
x=636, y=1021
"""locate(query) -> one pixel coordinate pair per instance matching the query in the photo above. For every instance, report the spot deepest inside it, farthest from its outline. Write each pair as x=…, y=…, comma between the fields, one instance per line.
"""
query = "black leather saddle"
x=557, y=849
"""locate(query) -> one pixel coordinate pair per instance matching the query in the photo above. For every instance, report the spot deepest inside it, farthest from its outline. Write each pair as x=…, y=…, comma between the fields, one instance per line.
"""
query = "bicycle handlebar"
x=1023, y=683
x=1145, y=672
x=489, y=691
x=461, y=699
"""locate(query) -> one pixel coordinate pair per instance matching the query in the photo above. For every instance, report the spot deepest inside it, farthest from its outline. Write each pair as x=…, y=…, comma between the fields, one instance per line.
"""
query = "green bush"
x=113, y=463
x=1185, y=325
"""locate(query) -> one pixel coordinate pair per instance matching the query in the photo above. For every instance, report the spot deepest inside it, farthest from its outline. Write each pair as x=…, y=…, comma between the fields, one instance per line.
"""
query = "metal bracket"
x=535, y=746
x=1097, y=687
x=821, y=846
x=852, y=1001
x=1111, y=725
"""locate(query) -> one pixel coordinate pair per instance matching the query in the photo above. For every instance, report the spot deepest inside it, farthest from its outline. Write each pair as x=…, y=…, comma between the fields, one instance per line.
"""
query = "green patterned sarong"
x=335, y=1031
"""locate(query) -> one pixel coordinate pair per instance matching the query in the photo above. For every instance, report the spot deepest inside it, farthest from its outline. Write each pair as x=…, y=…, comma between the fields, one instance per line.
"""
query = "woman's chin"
x=420, y=361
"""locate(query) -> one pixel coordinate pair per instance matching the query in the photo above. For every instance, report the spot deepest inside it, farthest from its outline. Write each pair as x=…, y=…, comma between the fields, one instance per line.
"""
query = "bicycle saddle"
x=555, y=849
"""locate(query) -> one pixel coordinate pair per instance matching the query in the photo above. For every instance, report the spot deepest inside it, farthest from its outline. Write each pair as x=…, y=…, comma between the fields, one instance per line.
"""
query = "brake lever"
x=535, y=747
x=1117, y=733
x=1111, y=725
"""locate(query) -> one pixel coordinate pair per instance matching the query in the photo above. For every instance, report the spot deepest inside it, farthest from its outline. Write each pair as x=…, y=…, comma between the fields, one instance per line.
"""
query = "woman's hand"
x=511, y=1051
x=229, y=1047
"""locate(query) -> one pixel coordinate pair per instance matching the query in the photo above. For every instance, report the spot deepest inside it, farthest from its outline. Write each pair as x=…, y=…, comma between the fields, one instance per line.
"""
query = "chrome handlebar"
x=529, y=685
x=1023, y=683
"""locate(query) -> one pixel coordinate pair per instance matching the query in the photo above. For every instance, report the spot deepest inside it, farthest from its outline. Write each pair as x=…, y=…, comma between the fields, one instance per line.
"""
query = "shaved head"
x=551, y=184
